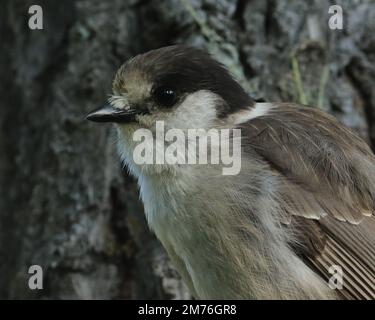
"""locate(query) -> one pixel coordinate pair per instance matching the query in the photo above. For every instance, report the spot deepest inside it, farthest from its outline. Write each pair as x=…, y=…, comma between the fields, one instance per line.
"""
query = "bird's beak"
x=108, y=113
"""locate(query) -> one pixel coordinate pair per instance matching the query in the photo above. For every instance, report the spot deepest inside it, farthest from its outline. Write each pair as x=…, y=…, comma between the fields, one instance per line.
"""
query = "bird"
x=297, y=220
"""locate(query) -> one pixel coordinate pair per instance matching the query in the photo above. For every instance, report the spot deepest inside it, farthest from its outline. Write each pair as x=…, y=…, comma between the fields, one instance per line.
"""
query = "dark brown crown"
x=190, y=69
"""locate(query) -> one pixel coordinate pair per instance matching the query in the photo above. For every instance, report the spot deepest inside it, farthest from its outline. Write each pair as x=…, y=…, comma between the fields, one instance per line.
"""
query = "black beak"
x=107, y=113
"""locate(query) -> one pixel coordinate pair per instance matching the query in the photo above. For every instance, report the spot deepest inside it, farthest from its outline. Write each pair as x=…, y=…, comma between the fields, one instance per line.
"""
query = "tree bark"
x=65, y=202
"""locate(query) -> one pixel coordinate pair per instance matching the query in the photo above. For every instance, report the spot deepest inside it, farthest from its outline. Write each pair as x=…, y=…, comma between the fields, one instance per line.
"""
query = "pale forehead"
x=133, y=82
x=137, y=76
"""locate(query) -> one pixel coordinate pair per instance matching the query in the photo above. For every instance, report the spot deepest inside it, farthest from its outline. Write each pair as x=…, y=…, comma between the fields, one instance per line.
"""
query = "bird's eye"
x=165, y=96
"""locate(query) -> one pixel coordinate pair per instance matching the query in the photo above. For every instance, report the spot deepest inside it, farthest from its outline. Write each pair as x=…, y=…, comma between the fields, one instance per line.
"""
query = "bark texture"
x=65, y=202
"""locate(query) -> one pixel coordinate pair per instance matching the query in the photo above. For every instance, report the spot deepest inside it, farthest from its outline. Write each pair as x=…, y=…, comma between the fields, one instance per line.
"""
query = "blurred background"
x=65, y=202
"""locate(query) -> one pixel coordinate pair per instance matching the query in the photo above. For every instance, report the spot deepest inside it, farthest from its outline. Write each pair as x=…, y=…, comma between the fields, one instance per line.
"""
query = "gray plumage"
x=303, y=201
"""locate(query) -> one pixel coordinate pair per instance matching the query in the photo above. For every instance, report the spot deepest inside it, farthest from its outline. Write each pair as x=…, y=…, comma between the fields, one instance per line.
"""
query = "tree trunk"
x=65, y=202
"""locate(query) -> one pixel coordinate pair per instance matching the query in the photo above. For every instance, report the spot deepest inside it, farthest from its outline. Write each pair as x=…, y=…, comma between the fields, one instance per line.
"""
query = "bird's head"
x=182, y=86
x=179, y=87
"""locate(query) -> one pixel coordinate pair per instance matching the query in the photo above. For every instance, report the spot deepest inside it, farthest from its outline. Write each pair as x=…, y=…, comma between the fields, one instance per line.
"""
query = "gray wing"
x=328, y=176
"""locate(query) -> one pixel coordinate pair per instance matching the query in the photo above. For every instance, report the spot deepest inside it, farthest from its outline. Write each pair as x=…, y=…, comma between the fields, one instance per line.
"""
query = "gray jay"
x=296, y=222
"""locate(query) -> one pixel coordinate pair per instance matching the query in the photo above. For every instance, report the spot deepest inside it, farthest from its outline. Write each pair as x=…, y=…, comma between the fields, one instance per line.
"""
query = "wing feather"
x=328, y=189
